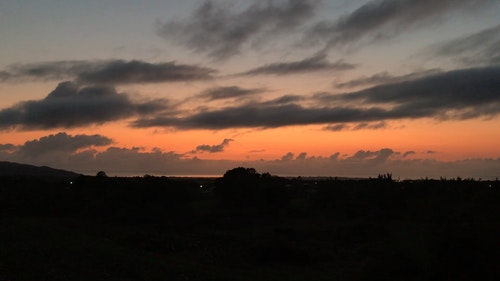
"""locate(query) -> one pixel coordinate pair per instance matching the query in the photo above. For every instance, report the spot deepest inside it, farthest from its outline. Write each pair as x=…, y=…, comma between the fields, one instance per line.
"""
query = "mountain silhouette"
x=17, y=169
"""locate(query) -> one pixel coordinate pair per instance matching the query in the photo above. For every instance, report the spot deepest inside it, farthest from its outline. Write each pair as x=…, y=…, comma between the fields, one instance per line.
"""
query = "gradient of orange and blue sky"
x=313, y=88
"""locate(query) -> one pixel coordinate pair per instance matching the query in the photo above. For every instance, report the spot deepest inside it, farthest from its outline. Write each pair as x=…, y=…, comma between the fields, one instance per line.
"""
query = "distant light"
x=70, y=182
x=201, y=185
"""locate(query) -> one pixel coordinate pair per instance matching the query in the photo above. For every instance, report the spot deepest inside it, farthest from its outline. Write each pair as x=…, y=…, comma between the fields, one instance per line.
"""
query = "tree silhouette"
x=236, y=185
x=385, y=177
x=101, y=174
x=244, y=186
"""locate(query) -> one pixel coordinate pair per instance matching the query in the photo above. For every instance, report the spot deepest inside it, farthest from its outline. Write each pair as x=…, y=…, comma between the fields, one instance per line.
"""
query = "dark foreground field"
x=248, y=226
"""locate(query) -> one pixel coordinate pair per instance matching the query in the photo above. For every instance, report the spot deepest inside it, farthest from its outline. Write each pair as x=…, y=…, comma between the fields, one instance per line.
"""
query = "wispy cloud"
x=52, y=70
x=337, y=127
x=315, y=63
x=480, y=48
x=221, y=32
x=373, y=126
x=286, y=99
x=384, y=19
x=384, y=78
x=107, y=72
x=229, y=92
x=356, y=127
x=121, y=72
x=71, y=105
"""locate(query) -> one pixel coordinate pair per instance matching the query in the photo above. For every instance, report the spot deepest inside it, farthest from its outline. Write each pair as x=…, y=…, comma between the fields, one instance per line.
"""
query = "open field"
x=264, y=228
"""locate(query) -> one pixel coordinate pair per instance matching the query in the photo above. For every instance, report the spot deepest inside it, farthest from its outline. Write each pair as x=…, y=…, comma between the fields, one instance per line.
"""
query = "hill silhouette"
x=25, y=170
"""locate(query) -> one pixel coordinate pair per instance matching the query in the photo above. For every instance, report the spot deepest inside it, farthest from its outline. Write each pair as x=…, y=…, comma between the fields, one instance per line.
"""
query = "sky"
x=294, y=88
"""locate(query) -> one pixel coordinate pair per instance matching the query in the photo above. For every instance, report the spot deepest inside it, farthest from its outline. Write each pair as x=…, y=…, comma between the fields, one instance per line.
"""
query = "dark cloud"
x=373, y=126
x=8, y=147
x=359, y=126
x=383, y=19
x=52, y=70
x=5, y=75
x=286, y=99
x=213, y=148
x=301, y=156
x=71, y=105
x=385, y=78
x=372, y=157
x=287, y=157
x=259, y=115
x=460, y=94
x=337, y=127
x=120, y=72
x=219, y=93
x=107, y=72
x=334, y=156
x=315, y=63
x=124, y=161
x=408, y=153
x=62, y=142
x=220, y=32
x=481, y=48
x=362, y=154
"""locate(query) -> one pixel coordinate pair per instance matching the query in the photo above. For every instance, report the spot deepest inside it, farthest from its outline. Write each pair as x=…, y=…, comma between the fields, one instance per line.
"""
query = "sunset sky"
x=313, y=88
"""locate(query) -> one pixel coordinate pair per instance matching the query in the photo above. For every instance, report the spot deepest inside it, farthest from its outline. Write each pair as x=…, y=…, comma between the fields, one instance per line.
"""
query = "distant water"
x=192, y=176
x=165, y=175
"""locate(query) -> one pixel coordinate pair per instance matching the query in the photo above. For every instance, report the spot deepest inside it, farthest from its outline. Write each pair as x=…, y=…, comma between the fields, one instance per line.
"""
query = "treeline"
x=245, y=188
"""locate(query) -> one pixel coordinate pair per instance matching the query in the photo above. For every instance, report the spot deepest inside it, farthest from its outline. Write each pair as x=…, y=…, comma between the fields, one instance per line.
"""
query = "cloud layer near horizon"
x=77, y=153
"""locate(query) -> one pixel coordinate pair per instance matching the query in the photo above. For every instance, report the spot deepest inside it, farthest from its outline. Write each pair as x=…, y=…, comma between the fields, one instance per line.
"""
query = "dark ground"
x=248, y=227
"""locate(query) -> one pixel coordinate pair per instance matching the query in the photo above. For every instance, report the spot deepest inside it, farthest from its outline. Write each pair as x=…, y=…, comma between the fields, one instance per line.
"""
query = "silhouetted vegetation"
x=245, y=187
x=248, y=226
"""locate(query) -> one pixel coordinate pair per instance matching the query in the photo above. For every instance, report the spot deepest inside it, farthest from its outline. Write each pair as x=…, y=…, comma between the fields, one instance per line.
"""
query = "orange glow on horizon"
x=449, y=140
